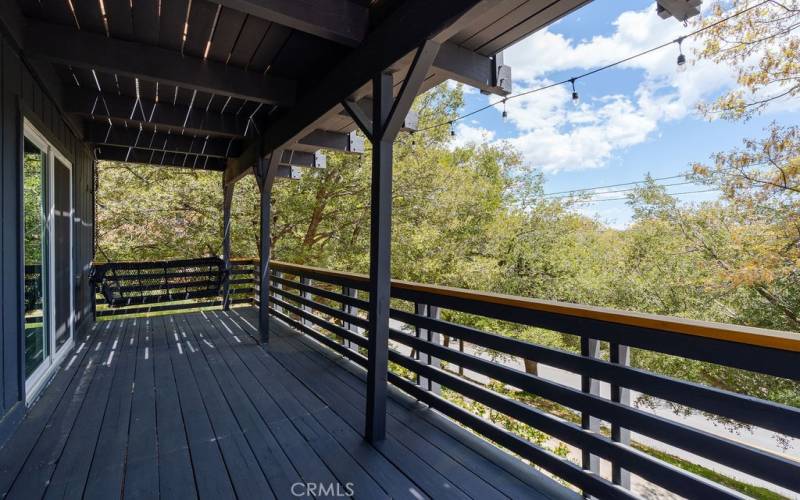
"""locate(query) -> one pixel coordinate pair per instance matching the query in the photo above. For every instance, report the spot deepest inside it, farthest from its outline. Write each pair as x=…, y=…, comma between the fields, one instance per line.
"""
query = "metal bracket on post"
x=621, y=355
x=590, y=348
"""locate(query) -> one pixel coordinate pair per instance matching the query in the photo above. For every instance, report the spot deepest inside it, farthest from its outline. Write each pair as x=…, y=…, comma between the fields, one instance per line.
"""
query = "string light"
x=452, y=130
x=413, y=142
x=575, y=96
x=505, y=113
x=681, y=57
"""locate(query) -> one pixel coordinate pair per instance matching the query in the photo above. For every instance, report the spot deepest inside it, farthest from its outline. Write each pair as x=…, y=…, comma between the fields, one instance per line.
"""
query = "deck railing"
x=331, y=306
x=170, y=286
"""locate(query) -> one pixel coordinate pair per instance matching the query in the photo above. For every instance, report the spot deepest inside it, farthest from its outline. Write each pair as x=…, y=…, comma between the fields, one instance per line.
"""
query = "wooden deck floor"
x=190, y=406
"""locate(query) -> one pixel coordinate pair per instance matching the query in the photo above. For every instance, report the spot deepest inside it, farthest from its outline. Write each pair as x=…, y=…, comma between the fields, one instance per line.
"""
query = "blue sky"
x=632, y=120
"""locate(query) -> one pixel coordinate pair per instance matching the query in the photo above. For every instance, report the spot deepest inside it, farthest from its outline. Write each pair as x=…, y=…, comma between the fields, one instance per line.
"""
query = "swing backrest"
x=130, y=283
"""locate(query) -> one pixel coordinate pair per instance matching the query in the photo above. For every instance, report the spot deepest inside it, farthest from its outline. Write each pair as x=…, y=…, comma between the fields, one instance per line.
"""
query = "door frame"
x=36, y=381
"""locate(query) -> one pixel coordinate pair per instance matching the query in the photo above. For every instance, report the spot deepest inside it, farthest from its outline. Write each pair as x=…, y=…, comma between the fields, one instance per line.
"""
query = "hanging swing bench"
x=132, y=283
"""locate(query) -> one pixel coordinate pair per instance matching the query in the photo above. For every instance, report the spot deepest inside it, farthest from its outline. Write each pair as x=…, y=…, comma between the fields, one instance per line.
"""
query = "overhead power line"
x=625, y=197
x=656, y=179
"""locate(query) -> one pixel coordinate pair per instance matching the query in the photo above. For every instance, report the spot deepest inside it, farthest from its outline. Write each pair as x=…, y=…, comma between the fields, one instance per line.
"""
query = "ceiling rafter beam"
x=341, y=21
x=118, y=136
x=337, y=141
x=88, y=102
x=399, y=34
x=179, y=160
x=66, y=45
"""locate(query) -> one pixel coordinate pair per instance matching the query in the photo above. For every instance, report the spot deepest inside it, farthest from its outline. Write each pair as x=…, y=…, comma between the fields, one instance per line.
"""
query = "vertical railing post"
x=306, y=295
x=620, y=354
x=227, y=201
x=590, y=348
x=352, y=311
x=279, y=286
x=428, y=336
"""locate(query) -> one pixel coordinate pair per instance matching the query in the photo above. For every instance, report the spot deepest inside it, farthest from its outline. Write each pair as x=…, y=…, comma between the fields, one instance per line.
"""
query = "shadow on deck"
x=189, y=405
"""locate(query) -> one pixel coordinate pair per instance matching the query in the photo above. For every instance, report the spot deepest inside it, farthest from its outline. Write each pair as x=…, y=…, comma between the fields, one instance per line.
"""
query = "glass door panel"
x=62, y=252
x=37, y=344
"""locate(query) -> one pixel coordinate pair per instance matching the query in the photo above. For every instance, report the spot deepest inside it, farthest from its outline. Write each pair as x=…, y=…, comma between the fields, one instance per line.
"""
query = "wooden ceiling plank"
x=270, y=46
x=201, y=23
x=173, y=17
x=120, y=18
x=342, y=21
x=83, y=101
x=229, y=25
x=250, y=37
x=68, y=46
x=146, y=21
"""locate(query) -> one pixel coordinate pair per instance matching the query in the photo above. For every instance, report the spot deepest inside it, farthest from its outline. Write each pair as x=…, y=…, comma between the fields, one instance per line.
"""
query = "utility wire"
x=626, y=198
x=570, y=191
x=600, y=193
x=592, y=72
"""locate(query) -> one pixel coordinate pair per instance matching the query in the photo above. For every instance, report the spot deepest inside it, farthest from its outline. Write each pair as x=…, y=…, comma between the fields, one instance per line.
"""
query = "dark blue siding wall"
x=23, y=95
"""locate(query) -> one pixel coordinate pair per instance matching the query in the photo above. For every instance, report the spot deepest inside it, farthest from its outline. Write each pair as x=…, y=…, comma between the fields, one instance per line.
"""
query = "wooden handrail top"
x=775, y=339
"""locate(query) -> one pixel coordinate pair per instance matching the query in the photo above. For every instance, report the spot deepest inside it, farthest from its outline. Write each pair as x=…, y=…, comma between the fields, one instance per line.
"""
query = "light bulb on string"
x=413, y=142
x=681, y=57
x=505, y=113
x=576, y=99
x=452, y=130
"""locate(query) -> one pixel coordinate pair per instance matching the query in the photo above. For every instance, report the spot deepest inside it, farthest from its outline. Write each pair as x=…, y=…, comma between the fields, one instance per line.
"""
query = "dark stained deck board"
x=190, y=406
x=141, y=464
x=338, y=459
x=43, y=458
x=499, y=478
x=503, y=471
x=435, y=475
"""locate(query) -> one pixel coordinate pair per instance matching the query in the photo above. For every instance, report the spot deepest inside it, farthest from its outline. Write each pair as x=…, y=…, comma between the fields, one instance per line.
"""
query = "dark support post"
x=620, y=354
x=265, y=174
x=590, y=348
x=227, y=201
x=379, y=261
x=381, y=129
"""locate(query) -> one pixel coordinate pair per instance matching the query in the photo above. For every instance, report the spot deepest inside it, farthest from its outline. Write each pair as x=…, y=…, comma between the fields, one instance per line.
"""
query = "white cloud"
x=555, y=136
x=467, y=134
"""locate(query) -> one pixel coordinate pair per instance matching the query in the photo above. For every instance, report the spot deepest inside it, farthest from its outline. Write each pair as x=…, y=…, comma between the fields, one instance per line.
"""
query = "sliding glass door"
x=48, y=215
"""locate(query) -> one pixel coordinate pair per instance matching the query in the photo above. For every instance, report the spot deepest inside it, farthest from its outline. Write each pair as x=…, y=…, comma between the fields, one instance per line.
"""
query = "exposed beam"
x=66, y=45
x=162, y=114
x=487, y=74
x=342, y=21
x=102, y=133
x=363, y=109
x=122, y=138
x=422, y=62
x=180, y=160
x=412, y=23
x=297, y=158
x=324, y=139
x=158, y=158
